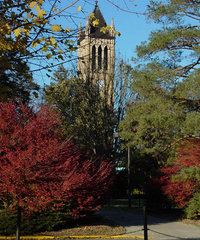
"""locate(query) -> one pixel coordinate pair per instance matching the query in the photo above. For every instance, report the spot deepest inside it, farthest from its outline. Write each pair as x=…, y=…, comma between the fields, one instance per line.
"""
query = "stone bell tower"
x=96, y=54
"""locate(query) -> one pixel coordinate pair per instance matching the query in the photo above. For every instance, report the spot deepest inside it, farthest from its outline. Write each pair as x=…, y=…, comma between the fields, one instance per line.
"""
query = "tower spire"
x=96, y=2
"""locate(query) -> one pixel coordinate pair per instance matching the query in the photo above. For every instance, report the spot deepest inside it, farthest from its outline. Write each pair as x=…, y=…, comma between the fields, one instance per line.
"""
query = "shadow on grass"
x=36, y=223
x=57, y=223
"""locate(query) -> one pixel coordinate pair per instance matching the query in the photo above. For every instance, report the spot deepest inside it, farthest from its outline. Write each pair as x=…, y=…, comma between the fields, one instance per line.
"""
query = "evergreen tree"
x=86, y=116
x=15, y=78
x=165, y=105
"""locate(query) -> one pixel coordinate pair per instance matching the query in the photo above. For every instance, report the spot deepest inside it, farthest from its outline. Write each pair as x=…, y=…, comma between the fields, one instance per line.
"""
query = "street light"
x=129, y=177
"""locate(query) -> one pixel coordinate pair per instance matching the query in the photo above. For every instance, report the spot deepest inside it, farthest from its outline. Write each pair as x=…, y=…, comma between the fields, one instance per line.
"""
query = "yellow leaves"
x=78, y=9
x=37, y=8
x=36, y=3
x=48, y=56
x=30, y=16
x=25, y=31
x=105, y=29
x=67, y=30
x=5, y=28
x=43, y=39
x=20, y=28
x=41, y=13
x=56, y=28
x=44, y=49
x=40, y=2
x=17, y=32
x=52, y=40
x=32, y=4
x=117, y=33
x=34, y=44
x=95, y=22
x=55, y=9
x=91, y=16
x=4, y=45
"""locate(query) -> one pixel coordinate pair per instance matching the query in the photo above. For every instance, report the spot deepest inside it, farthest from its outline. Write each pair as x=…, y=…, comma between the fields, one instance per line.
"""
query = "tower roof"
x=95, y=30
x=98, y=15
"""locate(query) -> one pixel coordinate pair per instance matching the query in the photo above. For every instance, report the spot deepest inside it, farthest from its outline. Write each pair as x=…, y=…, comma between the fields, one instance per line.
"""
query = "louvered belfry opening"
x=99, y=57
x=106, y=58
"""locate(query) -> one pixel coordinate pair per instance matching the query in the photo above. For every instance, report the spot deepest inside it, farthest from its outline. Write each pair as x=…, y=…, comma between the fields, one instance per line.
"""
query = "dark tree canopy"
x=16, y=80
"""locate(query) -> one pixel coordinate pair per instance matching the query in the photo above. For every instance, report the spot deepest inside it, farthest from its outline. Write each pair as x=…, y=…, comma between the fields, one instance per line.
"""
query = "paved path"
x=159, y=229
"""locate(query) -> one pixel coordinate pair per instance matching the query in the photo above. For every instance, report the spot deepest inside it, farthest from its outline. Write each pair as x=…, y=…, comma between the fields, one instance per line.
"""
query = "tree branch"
x=187, y=68
x=65, y=8
x=124, y=10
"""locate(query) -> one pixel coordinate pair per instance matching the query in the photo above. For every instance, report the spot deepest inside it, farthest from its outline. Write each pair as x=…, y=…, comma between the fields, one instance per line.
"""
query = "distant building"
x=96, y=54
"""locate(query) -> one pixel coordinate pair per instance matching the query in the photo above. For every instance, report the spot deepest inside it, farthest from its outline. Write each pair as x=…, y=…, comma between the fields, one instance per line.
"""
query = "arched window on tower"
x=93, y=58
x=99, y=57
x=105, y=62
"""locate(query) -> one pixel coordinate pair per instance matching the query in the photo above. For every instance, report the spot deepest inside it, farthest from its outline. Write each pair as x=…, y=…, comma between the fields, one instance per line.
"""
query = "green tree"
x=86, y=116
x=165, y=104
x=16, y=79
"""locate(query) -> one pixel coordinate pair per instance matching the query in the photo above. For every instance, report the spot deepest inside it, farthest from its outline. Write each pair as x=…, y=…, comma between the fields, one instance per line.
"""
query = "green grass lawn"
x=58, y=224
x=123, y=203
x=47, y=221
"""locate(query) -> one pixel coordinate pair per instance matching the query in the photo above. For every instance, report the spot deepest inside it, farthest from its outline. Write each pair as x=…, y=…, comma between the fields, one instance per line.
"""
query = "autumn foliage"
x=179, y=180
x=40, y=170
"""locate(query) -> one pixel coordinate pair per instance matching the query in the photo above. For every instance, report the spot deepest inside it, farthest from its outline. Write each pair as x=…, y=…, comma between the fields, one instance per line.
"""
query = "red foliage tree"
x=177, y=184
x=39, y=170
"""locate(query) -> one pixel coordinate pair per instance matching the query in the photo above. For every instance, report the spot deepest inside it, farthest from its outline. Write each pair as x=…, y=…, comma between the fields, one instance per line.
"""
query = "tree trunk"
x=18, y=223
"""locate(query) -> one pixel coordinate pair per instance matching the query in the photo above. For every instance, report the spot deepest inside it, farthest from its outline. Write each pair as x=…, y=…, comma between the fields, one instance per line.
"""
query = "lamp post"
x=129, y=177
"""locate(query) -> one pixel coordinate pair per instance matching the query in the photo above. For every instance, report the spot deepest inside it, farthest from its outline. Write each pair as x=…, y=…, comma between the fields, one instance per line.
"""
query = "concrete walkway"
x=159, y=229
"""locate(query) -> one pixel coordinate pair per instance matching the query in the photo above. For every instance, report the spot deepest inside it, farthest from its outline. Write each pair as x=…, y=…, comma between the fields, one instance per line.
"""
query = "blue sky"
x=133, y=27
